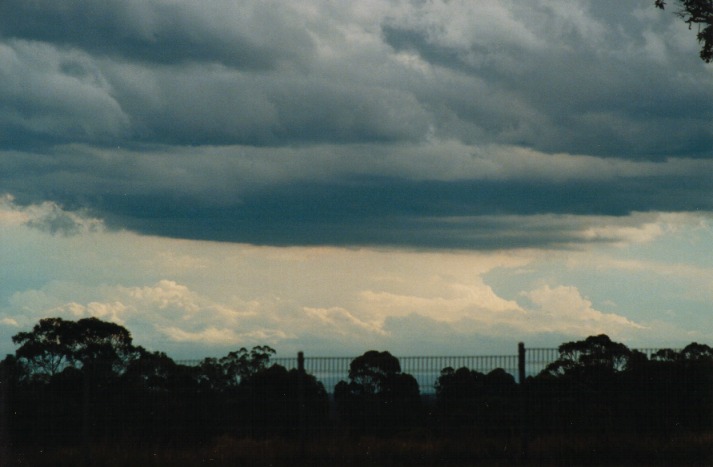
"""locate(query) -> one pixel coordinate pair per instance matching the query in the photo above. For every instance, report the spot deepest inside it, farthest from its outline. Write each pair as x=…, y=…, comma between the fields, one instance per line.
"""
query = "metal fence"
x=426, y=369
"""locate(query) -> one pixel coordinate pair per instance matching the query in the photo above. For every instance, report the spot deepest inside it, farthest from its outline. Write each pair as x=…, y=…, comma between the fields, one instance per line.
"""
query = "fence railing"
x=426, y=369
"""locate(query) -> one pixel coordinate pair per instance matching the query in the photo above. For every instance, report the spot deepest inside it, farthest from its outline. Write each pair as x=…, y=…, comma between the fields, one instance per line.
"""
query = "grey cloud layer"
x=249, y=35
x=403, y=123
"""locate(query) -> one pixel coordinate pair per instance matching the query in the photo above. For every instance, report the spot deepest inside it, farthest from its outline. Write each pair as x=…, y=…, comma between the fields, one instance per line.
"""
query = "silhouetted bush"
x=599, y=386
x=378, y=398
x=470, y=400
x=84, y=381
x=72, y=383
x=273, y=396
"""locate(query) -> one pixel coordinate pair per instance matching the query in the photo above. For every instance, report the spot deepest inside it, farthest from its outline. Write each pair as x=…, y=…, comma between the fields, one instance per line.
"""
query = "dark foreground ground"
x=411, y=450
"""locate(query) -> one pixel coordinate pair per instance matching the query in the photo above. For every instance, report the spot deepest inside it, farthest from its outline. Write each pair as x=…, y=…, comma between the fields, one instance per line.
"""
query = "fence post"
x=521, y=362
x=86, y=415
x=524, y=408
x=301, y=401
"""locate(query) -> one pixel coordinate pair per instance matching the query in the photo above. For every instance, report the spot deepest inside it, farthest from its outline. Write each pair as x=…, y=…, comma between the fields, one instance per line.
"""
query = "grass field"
x=408, y=450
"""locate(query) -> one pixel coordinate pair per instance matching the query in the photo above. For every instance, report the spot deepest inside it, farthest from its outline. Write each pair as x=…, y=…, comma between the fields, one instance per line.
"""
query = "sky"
x=428, y=177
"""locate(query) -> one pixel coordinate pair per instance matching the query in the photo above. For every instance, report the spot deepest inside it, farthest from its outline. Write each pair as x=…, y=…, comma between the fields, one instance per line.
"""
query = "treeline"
x=600, y=386
x=84, y=381
x=71, y=382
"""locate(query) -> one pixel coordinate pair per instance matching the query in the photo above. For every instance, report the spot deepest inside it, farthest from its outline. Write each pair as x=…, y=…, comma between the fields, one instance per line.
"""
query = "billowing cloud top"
x=196, y=298
x=459, y=124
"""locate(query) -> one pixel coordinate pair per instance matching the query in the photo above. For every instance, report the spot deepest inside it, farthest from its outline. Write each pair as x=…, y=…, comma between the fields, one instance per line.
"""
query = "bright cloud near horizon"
x=425, y=177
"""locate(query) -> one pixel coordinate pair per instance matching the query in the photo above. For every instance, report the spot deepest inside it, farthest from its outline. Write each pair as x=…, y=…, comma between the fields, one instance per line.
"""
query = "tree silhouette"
x=55, y=344
x=378, y=397
x=274, y=395
x=154, y=371
x=700, y=13
x=370, y=373
x=696, y=352
x=602, y=386
x=583, y=389
x=470, y=399
x=228, y=372
x=595, y=357
x=86, y=379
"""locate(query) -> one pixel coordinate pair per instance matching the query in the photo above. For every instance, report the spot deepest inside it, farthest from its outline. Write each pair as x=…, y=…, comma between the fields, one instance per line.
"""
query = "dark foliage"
x=700, y=13
x=274, y=398
x=78, y=382
x=227, y=373
x=471, y=400
x=84, y=380
x=55, y=344
x=602, y=387
x=378, y=398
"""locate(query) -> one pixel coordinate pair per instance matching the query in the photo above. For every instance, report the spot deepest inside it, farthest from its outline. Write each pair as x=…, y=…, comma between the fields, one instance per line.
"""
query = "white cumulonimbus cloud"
x=189, y=297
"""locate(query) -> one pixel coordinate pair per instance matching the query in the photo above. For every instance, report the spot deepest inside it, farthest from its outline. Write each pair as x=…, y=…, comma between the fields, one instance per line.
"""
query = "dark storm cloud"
x=392, y=212
x=432, y=124
x=307, y=198
x=578, y=98
x=50, y=97
x=217, y=107
x=160, y=32
x=252, y=73
x=53, y=96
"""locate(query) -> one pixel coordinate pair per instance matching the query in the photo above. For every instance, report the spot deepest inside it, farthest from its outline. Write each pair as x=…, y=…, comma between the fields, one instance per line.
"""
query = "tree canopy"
x=595, y=355
x=55, y=344
x=87, y=376
x=373, y=369
x=700, y=13
x=238, y=366
x=379, y=396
